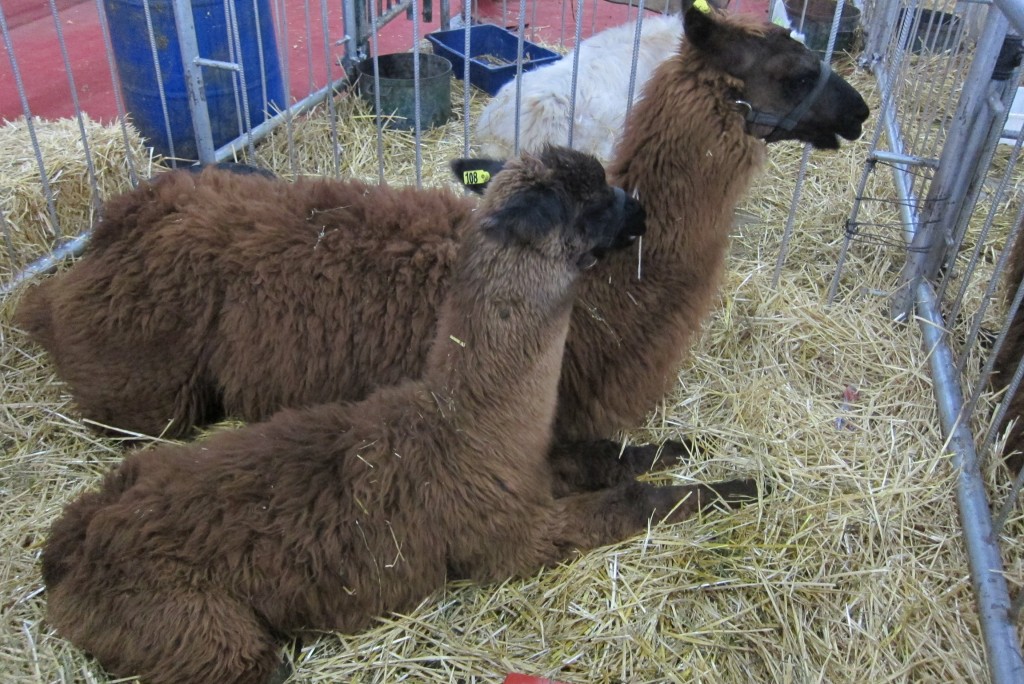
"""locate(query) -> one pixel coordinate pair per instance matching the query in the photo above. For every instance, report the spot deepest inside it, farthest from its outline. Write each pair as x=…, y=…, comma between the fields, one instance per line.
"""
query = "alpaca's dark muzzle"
x=634, y=218
x=629, y=223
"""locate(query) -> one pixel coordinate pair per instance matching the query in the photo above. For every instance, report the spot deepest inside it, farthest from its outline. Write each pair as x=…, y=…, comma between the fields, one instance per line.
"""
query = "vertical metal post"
x=878, y=36
x=949, y=185
x=1014, y=11
x=446, y=14
x=352, y=55
x=186, y=28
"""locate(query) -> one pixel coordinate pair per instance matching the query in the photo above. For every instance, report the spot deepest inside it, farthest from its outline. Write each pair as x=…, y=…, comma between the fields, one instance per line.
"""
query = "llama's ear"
x=721, y=42
x=475, y=174
x=697, y=22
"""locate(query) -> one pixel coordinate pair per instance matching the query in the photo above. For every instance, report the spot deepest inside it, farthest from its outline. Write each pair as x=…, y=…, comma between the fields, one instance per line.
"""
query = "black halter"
x=790, y=120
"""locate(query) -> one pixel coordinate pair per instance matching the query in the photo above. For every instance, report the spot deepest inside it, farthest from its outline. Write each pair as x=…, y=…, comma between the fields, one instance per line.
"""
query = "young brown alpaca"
x=191, y=563
x=221, y=294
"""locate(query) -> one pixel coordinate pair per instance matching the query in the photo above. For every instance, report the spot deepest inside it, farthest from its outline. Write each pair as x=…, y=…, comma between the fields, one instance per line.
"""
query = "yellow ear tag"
x=702, y=6
x=476, y=177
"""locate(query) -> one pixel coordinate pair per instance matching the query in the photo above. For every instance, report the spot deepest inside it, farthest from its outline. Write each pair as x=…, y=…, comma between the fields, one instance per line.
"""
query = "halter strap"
x=790, y=120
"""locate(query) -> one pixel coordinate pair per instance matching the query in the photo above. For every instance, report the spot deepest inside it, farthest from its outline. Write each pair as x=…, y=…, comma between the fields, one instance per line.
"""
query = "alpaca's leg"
x=593, y=519
x=167, y=637
x=599, y=464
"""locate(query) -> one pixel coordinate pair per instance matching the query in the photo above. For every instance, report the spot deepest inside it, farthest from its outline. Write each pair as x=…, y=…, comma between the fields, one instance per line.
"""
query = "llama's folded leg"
x=167, y=637
x=587, y=466
x=593, y=519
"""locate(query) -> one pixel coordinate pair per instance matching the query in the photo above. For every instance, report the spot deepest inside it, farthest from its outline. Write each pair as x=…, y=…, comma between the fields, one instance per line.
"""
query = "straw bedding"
x=850, y=570
x=27, y=227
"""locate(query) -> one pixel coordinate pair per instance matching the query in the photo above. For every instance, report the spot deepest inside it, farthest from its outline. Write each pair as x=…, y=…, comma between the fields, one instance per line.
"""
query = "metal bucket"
x=397, y=92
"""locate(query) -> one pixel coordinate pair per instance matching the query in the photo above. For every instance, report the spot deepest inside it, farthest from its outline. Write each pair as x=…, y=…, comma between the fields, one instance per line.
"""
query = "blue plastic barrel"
x=139, y=83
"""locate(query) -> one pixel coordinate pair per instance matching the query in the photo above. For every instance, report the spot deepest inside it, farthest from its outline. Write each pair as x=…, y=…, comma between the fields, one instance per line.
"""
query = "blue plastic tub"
x=492, y=54
x=134, y=58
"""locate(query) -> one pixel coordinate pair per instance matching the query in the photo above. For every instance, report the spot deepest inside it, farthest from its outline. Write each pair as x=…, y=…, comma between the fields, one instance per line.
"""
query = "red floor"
x=48, y=91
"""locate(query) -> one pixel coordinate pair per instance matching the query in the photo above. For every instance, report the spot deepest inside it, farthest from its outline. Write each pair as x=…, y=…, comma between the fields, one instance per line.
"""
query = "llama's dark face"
x=787, y=92
x=558, y=202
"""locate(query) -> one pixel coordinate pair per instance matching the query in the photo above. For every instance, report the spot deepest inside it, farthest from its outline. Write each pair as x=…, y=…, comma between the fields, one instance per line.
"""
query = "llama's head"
x=784, y=90
x=529, y=198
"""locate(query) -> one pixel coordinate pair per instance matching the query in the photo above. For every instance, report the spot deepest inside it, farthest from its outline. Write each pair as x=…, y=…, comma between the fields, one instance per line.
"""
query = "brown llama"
x=192, y=563
x=1007, y=360
x=221, y=294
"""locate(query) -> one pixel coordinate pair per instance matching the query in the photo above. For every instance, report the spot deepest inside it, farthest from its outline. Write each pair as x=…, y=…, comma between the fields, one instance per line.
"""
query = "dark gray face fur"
x=573, y=197
x=777, y=73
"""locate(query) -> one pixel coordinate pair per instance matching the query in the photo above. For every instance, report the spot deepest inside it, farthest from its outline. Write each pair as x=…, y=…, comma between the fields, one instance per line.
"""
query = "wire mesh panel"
x=949, y=75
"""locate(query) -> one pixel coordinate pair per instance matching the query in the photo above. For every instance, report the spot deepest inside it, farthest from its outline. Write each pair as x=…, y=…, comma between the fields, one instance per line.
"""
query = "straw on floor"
x=849, y=570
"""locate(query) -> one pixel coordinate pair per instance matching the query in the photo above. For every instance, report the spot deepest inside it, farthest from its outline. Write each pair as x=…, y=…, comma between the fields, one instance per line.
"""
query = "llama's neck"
x=686, y=155
x=688, y=158
x=494, y=366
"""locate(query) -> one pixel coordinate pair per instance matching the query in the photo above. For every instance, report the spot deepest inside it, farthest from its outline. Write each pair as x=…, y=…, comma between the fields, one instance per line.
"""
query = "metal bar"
x=879, y=33
x=637, y=34
x=186, y=9
x=71, y=248
x=235, y=56
x=376, y=94
x=417, y=95
x=908, y=159
x=260, y=56
x=575, y=68
x=331, y=109
x=309, y=45
x=990, y=590
x=115, y=80
x=94, y=195
x=51, y=208
x=520, y=40
x=216, y=64
x=236, y=44
x=352, y=54
x=1014, y=12
x=561, y=26
x=189, y=46
x=282, y=16
x=467, y=20
x=794, y=203
x=383, y=18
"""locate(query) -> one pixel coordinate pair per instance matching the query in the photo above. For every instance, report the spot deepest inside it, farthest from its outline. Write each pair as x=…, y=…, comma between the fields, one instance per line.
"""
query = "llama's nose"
x=854, y=120
x=861, y=112
x=635, y=219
